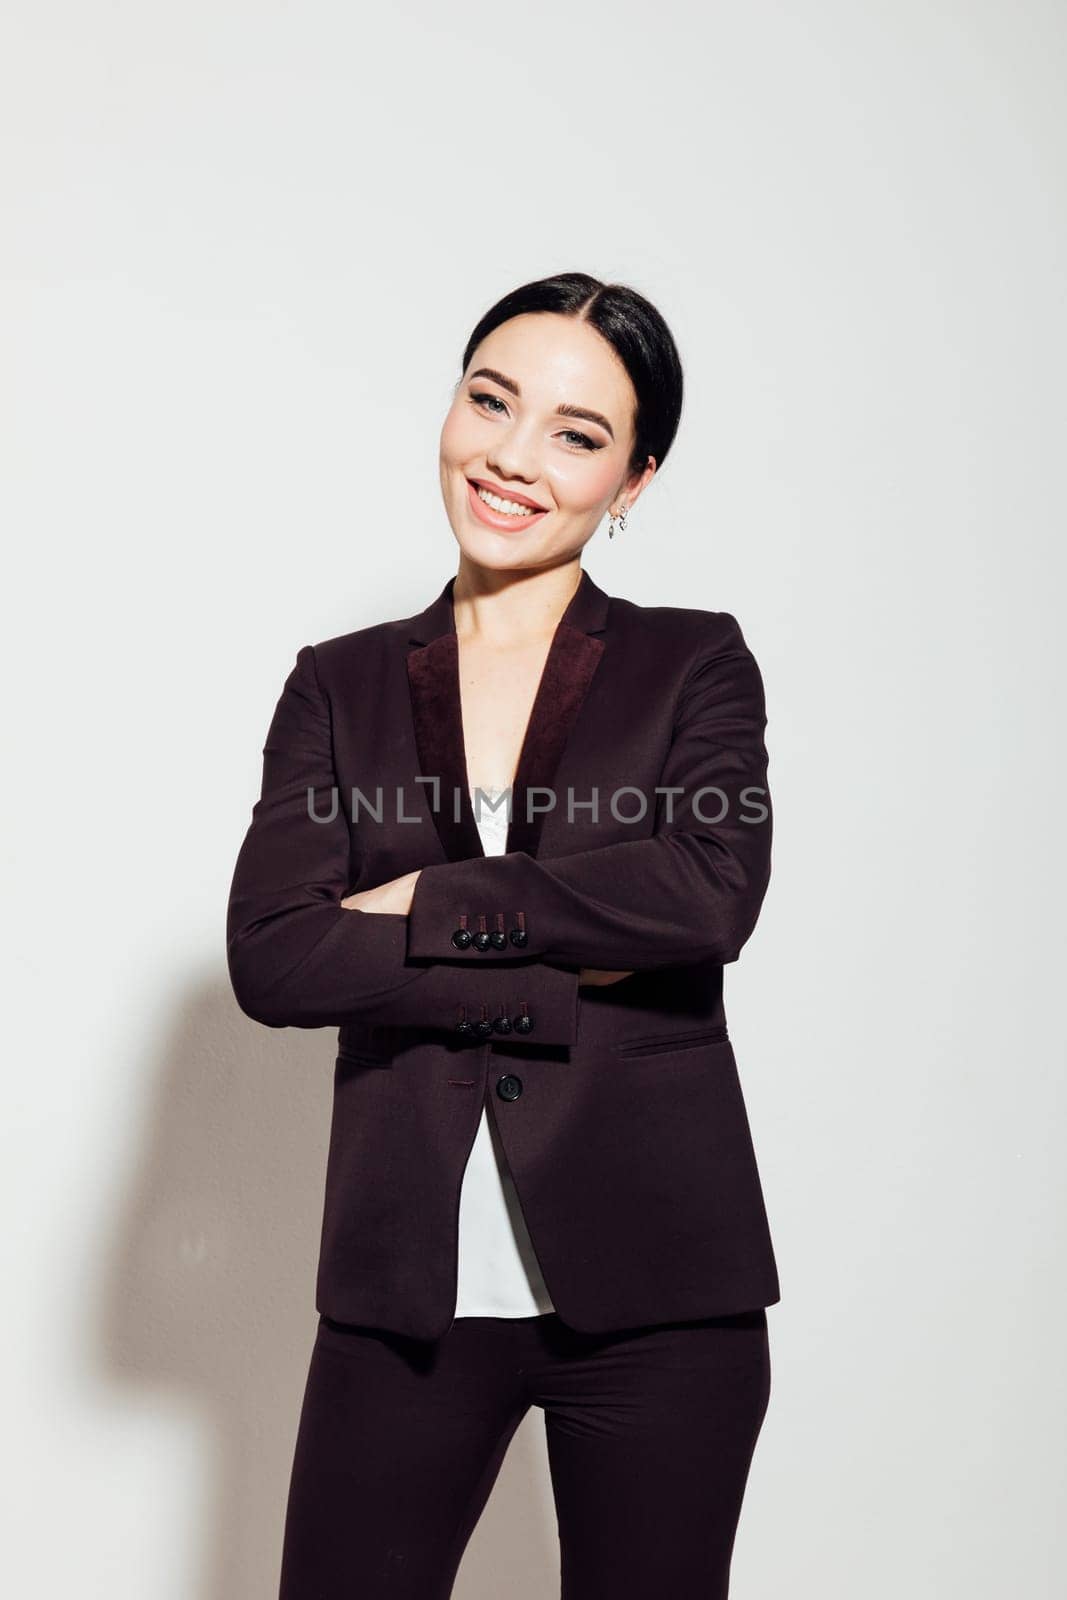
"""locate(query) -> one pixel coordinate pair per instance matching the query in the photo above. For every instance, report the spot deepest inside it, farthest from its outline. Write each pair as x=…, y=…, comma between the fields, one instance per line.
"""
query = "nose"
x=513, y=454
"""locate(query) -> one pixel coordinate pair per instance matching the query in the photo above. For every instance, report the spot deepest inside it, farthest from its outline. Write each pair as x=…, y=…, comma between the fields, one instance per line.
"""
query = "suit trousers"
x=650, y=1433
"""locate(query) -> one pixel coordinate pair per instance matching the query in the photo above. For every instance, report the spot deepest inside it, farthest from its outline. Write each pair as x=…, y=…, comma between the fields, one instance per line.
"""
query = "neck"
x=512, y=608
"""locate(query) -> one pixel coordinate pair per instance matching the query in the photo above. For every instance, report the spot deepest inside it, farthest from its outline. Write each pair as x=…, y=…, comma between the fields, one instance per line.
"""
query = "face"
x=542, y=422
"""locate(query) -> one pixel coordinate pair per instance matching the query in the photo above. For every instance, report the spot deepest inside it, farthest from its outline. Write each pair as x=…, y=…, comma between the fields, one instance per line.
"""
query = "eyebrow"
x=561, y=411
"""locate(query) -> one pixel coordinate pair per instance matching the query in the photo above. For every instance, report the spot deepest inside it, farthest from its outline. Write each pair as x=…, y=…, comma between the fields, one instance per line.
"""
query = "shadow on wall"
x=209, y=1294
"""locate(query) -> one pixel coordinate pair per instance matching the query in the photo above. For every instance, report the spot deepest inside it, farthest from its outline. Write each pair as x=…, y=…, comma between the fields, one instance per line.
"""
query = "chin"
x=495, y=554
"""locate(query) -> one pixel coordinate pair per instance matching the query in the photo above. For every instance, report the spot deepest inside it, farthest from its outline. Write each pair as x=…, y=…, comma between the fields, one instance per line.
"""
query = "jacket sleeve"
x=691, y=892
x=298, y=958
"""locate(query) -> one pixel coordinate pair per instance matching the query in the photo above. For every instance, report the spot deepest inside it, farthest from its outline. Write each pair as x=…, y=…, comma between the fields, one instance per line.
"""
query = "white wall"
x=243, y=248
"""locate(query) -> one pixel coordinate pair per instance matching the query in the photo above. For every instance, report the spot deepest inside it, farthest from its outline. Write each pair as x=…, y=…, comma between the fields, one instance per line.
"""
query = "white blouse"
x=498, y=1271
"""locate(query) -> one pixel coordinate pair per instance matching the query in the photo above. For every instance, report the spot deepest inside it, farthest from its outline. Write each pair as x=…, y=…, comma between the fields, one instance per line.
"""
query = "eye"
x=488, y=402
x=583, y=440
x=495, y=407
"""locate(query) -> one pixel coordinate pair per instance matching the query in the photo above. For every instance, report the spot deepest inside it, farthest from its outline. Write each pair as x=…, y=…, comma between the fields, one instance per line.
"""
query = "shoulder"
x=701, y=658
x=376, y=636
x=358, y=657
x=672, y=637
x=687, y=632
x=331, y=671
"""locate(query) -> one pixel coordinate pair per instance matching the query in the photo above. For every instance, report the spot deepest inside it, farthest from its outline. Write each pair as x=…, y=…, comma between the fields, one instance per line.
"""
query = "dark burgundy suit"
x=620, y=1109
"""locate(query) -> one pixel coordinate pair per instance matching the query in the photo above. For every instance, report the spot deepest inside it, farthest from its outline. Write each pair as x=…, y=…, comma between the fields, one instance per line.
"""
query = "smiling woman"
x=541, y=1188
x=513, y=460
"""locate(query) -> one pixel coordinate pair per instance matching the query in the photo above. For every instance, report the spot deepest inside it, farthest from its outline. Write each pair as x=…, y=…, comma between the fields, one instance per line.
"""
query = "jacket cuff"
x=481, y=971
x=527, y=1002
x=471, y=911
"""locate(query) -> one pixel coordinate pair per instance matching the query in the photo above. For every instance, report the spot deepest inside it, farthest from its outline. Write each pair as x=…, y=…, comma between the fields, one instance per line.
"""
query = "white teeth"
x=510, y=508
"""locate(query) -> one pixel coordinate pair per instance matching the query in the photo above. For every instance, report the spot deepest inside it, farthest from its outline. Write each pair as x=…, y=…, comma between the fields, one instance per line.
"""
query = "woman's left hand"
x=394, y=897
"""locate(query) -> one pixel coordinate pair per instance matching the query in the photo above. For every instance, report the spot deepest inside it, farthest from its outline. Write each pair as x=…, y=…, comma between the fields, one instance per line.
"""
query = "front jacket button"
x=509, y=1087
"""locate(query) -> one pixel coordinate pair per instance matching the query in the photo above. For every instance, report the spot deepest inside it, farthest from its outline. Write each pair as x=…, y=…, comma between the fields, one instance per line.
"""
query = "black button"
x=497, y=940
x=502, y=1024
x=481, y=940
x=466, y=1028
x=461, y=938
x=483, y=1027
x=523, y=1023
x=509, y=1087
x=518, y=936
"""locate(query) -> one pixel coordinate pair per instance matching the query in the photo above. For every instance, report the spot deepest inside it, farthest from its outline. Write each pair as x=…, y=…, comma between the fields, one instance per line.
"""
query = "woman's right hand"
x=599, y=978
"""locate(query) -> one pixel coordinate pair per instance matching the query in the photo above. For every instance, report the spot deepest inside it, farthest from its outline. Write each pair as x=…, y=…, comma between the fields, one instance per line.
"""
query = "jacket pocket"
x=651, y=1044
x=361, y=1058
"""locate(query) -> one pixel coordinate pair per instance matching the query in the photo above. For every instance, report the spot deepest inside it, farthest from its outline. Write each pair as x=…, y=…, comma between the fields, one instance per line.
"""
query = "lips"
x=506, y=494
x=500, y=521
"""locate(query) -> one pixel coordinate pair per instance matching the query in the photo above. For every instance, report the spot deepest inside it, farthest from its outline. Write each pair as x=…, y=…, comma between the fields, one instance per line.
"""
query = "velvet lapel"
x=433, y=680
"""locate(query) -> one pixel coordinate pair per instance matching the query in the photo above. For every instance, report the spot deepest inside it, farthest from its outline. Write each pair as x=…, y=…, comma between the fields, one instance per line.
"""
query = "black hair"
x=636, y=332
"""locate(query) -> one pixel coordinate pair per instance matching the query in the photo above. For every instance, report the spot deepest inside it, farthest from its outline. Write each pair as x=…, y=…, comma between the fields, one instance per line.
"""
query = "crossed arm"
x=395, y=897
x=303, y=952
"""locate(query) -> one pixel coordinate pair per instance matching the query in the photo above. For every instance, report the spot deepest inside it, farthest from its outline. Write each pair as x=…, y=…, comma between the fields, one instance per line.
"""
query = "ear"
x=637, y=482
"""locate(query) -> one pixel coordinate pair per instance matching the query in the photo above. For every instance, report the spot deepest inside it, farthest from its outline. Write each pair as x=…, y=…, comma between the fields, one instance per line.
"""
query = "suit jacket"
x=639, y=838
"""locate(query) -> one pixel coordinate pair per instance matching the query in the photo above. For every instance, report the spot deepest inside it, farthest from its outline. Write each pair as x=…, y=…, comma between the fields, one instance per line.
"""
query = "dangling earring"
x=622, y=521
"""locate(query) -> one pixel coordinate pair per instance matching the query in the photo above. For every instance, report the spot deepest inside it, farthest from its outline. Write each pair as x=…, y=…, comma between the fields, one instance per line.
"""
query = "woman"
x=541, y=1188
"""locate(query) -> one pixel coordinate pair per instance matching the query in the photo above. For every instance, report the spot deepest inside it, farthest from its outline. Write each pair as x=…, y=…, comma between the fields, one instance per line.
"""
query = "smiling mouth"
x=503, y=506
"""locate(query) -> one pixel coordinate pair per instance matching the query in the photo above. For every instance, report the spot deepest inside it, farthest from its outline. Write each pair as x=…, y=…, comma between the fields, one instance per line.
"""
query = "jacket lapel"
x=433, y=681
